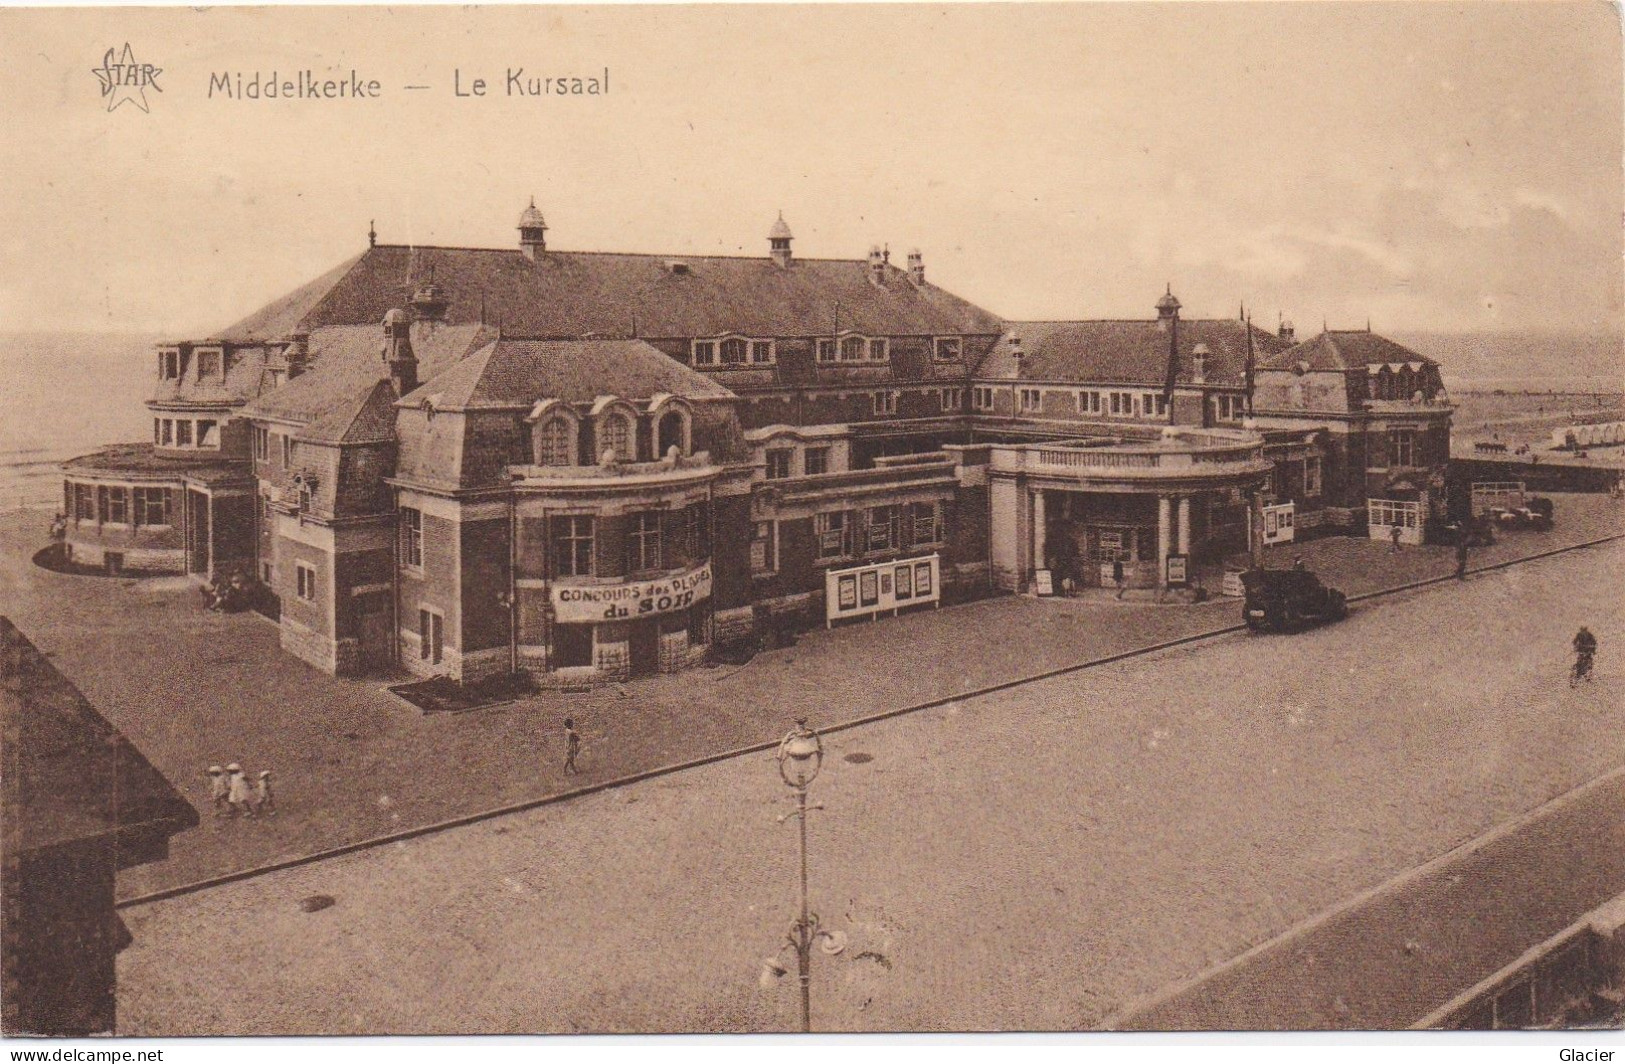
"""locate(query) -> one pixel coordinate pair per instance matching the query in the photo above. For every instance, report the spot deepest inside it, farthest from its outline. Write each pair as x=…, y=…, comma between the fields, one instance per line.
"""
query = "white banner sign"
x=573, y=604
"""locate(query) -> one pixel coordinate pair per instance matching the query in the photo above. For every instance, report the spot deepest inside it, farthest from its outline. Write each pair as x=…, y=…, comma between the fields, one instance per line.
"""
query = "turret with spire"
x=778, y=242
x=532, y=232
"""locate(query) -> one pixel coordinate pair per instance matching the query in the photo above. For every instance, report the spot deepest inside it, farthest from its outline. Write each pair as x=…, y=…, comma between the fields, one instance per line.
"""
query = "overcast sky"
x=1428, y=166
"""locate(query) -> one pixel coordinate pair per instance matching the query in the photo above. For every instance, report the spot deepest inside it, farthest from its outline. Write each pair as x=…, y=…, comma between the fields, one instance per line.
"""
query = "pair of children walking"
x=234, y=796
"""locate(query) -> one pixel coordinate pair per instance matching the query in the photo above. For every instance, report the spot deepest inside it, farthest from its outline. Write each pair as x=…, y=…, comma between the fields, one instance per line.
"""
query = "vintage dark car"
x=1281, y=599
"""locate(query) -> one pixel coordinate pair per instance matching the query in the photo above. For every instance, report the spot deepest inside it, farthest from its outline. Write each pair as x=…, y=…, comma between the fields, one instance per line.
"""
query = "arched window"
x=671, y=432
x=556, y=442
x=853, y=348
x=615, y=433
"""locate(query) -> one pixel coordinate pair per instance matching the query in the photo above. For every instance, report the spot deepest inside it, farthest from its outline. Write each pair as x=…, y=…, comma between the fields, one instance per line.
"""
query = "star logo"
x=124, y=80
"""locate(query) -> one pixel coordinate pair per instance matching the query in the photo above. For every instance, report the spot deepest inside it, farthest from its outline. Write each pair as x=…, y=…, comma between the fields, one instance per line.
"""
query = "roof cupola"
x=532, y=232
x=778, y=242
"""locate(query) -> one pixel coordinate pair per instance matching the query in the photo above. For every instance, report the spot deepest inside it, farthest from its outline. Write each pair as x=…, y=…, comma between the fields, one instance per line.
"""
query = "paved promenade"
x=1032, y=859
x=353, y=762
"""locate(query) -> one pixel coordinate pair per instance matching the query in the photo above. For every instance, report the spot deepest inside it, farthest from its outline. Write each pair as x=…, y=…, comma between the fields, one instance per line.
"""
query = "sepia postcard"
x=742, y=519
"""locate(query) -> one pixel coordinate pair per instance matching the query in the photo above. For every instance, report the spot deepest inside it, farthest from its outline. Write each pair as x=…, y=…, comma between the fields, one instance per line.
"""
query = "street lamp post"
x=800, y=755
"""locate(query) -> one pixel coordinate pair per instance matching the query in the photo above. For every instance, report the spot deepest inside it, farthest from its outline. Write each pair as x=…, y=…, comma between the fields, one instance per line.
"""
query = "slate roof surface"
x=243, y=380
x=365, y=417
x=1125, y=352
x=69, y=776
x=347, y=361
x=1337, y=349
x=570, y=294
x=140, y=461
x=513, y=373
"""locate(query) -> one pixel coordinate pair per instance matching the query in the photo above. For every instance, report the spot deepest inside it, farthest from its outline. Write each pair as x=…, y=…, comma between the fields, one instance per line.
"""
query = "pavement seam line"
x=1466, y=848
x=755, y=748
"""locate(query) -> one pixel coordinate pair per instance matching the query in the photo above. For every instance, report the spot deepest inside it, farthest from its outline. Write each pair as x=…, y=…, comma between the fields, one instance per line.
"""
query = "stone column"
x=1039, y=528
x=1164, y=513
x=1185, y=525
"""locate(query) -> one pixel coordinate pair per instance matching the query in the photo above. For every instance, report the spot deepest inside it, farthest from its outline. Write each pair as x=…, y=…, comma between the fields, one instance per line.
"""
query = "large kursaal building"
x=589, y=466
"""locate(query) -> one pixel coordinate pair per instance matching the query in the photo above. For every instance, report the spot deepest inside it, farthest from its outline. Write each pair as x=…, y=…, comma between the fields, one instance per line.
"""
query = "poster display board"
x=1279, y=523
x=1178, y=570
x=868, y=590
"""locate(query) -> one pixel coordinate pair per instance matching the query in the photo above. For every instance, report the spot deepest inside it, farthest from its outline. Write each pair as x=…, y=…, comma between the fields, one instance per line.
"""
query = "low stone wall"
x=309, y=645
x=1576, y=978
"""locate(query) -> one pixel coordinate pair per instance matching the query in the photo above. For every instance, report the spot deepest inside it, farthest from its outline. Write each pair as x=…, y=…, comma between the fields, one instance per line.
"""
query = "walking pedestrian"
x=1119, y=577
x=218, y=789
x=264, y=799
x=572, y=747
x=1393, y=537
x=237, y=792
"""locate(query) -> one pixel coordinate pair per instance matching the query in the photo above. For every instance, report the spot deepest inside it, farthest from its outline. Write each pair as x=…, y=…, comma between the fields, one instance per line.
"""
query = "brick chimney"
x=916, y=268
x=297, y=353
x=877, y=265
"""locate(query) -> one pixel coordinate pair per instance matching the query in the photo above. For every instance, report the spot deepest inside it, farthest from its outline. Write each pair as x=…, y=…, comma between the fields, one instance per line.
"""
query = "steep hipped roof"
x=348, y=361
x=1125, y=352
x=1336, y=350
x=284, y=315
x=518, y=373
x=568, y=294
x=365, y=417
x=243, y=379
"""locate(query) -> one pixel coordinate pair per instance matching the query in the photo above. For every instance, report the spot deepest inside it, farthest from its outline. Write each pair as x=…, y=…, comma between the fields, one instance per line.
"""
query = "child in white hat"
x=264, y=800
x=237, y=790
x=218, y=789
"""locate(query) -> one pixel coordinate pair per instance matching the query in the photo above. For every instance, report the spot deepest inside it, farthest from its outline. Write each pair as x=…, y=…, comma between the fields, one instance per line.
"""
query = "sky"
x=1423, y=166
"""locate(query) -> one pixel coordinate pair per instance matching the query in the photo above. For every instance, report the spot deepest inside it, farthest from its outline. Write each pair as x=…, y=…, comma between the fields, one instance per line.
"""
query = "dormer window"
x=853, y=349
x=733, y=351
x=948, y=348
x=169, y=365
x=208, y=365
x=556, y=442
x=615, y=434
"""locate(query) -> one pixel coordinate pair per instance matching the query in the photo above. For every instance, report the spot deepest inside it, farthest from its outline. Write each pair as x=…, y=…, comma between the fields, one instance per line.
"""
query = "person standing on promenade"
x=218, y=789
x=264, y=799
x=1393, y=537
x=237, y=792
x=1118, y=576
x=572, y=747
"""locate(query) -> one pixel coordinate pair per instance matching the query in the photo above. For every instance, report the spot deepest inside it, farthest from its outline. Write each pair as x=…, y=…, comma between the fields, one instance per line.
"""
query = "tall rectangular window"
x=151, y=506
x=763, y=542
x=761, y=352
x=879, y=350
x=779, y=460
x=705, y=353
x=853, y=348
x=882, y=528
x=815, y=460
x=287, y=451
x=952, y=399
x=826, y=350
x=1402, y=447
x=733, y=352
x=572, y=545
x=981, y=398
x=832, y=535
x=1030, y=400
x=884, y=403
x=116, y=506
x=208, y=434
x=643, y=542
x=183, y=433
x=411, y=537
x=1311, y=475
x=262, y=443
x=305, y=578
x=84, y=502
x=922, y=524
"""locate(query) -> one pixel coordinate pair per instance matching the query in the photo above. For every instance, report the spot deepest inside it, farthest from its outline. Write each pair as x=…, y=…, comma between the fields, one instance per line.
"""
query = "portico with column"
x=1087, y=512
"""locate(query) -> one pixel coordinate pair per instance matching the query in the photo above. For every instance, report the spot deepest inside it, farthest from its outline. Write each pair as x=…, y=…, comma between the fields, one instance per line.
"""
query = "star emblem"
x=124, y=80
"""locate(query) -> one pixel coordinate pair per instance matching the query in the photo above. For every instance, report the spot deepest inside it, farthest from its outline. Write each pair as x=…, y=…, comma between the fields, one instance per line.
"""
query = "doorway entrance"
x=645, y=647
